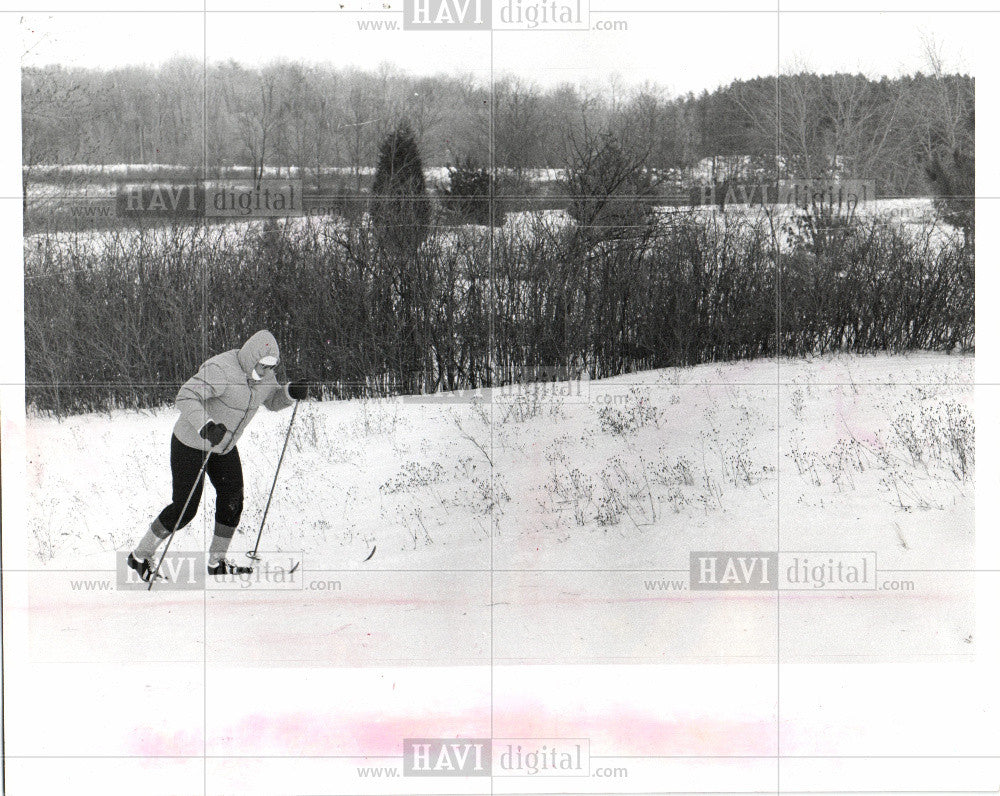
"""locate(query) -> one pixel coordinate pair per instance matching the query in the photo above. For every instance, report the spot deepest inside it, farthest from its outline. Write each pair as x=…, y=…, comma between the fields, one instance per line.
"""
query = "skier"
x=216, y=405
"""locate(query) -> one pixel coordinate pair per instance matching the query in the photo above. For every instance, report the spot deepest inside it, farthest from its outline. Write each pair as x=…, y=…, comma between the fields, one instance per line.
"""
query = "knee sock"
x=220, y=543
x=148, y=544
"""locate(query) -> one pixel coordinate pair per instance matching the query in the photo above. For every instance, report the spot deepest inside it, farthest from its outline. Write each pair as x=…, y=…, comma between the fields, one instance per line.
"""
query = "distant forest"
x=315, y=118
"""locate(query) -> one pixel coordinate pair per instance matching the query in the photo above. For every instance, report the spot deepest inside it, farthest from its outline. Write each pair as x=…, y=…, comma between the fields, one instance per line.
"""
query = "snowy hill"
x=633, y=472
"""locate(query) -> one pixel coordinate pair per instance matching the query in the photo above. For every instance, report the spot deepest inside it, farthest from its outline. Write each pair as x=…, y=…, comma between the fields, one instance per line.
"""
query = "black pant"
x=225, y=473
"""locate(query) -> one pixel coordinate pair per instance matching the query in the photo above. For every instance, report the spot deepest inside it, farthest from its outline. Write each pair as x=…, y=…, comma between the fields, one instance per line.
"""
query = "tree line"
x=903, y=134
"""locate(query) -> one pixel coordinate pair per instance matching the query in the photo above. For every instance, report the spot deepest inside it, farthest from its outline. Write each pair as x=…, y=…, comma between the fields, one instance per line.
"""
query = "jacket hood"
x=262, y=344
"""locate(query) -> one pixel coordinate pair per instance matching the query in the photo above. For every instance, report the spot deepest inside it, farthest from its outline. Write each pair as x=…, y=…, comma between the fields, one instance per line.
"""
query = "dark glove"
x=213, y=432
x=299, y=390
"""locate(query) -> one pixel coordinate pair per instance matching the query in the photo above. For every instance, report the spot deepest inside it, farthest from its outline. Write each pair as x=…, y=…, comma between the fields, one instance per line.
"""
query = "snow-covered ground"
x=914, y=215
x=593, y=501
x=628, y=474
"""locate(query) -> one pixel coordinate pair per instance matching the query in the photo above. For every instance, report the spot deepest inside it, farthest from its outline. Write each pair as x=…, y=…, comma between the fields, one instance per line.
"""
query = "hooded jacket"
x=223, y=391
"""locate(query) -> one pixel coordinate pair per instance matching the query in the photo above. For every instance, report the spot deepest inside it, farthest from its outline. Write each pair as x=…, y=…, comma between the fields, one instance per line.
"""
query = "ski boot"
x=226, y=567
x=142, y=566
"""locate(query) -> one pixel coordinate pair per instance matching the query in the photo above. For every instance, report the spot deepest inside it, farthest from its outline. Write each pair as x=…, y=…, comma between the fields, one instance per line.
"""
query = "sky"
x=680, y=51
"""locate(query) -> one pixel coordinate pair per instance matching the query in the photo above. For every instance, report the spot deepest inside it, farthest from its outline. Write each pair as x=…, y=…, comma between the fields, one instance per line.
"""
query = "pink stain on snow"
x=308, y=733
x=611, y=731
x=628, y=730
x=149, y=742
x=855, y=421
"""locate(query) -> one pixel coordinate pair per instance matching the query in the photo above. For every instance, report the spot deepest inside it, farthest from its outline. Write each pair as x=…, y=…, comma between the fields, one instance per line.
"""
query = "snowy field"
x=916, y=216
x=588, y=497
x=592, y=501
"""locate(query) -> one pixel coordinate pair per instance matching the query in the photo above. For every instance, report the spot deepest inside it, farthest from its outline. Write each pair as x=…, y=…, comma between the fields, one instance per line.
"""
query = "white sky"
x=680, y=51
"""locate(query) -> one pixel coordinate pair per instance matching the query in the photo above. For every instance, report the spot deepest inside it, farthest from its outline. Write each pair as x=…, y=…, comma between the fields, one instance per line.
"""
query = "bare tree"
x=323, y=119
x=824, y=127
x=54, y=105
x=423, y=108
x=608, y=178
x=293, y=137
x=518, y=123
x=256, y=110
x=470, y=128
x=359, y=128
x=942, y=112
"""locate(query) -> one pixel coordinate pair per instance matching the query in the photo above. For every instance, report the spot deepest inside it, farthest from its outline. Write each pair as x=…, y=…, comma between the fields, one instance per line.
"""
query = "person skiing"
x=216, y=405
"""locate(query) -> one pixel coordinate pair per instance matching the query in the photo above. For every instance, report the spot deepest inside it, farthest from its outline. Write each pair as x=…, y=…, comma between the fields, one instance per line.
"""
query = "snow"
x=474, y=617
x=96, y=169
x=637, y=470
x=914, y=215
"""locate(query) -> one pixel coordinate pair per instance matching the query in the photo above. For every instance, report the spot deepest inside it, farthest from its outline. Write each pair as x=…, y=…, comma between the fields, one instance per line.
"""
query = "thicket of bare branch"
x=124, y=323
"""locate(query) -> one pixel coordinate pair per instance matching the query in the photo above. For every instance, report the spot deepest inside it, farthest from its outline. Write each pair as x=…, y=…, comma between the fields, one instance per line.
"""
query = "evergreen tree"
x=952, y=174
x=469, y=194
x=400, y=207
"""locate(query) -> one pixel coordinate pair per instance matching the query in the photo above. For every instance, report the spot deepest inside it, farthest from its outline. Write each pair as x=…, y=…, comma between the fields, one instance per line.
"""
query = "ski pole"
x=166, y=547
x=253, y=553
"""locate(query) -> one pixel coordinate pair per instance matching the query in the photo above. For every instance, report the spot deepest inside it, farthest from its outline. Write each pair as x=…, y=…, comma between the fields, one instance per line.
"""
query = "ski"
x=255, y=558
